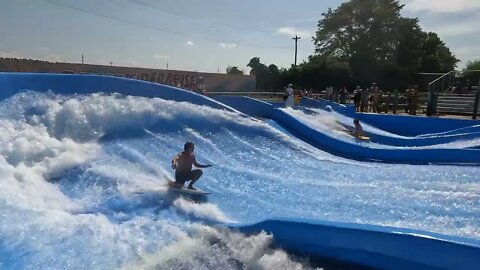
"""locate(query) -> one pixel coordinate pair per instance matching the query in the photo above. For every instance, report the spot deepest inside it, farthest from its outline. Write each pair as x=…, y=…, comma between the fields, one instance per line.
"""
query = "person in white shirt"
x=290, y=99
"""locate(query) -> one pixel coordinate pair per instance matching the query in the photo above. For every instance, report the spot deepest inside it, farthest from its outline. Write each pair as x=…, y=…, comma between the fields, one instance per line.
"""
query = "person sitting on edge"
x=182, y=163
x=358, y=129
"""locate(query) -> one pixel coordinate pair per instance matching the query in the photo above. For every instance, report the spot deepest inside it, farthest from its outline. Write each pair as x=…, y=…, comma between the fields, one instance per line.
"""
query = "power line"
x=180, y=17
x=156, y=28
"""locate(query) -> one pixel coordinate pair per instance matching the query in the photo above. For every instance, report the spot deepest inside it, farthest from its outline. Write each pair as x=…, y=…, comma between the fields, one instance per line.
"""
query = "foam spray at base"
x=83, y=187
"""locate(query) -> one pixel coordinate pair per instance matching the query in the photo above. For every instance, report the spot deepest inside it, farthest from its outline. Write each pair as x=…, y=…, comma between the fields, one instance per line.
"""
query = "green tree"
x=378, y=44
x=260, y=71
x=273, y=77
x=322, y=71
x=472, y=72
x=436, y=56
x=361, y=33
x=234, y=70
x=473, y=65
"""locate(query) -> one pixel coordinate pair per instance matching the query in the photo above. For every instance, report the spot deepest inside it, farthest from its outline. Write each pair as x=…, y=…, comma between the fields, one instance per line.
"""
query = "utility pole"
x=167, y=65
x=82, y=58
x=296, y=38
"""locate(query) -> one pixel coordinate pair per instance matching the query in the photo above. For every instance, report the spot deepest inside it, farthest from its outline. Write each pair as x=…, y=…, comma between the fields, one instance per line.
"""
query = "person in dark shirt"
x=343, y=95
x=357, y=98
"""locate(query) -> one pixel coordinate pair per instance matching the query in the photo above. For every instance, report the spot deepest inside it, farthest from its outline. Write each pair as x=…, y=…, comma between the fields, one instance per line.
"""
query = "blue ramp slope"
x=457, y=135
x=423, y=141
x=349, y=150
x=337, y=241
x=401, y=124
x=373, y=246
x=12, y=83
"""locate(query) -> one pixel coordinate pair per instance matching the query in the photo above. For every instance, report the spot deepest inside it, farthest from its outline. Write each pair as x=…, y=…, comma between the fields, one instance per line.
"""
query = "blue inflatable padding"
x=362, y=153
x=462, y=134
x=250, y=106
x=347, y=110
x=344, y=149
x=414, y=126
x=12, y=83
x=372, y=246
x=422, y=141
x=398, y=124
x=466, y=133
x=475, y=129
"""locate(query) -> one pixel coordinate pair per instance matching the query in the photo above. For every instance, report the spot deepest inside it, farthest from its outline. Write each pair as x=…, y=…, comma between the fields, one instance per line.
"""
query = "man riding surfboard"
x=182, y=163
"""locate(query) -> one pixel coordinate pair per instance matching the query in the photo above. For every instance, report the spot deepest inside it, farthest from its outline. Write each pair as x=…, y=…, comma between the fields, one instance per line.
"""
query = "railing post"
x=477, y=98
x=449, y=81
x=430, y=100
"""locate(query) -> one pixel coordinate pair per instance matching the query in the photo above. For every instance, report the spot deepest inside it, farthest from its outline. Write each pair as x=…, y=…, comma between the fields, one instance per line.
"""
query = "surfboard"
x=360, y=138
x=363, y=138
x=185, y=190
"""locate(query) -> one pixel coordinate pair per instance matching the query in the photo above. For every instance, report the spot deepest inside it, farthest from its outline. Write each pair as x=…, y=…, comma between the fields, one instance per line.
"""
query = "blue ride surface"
x=373, y=246
x=104, y=208
x=400, y=124
x=350, y=150
x=383, y=137
x=12, y=83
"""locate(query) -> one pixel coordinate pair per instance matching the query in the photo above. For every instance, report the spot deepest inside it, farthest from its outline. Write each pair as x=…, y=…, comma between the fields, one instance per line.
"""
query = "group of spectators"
x=371, y=99
x=461, y=87
x=337, y=95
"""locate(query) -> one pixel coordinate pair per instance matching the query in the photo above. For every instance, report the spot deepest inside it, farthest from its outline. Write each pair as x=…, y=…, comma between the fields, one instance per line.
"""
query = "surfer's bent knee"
x=197, y=173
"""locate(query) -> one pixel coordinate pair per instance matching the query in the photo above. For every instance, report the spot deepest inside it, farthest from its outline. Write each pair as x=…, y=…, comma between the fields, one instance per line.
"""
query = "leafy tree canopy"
x=473, y=65
x=234, y=70
x=378, y=44
x=360, y=42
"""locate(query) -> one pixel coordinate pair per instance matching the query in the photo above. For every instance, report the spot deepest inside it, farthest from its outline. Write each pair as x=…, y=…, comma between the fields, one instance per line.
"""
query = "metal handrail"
x=432, y=94
x=441, y=77
x=244, y=93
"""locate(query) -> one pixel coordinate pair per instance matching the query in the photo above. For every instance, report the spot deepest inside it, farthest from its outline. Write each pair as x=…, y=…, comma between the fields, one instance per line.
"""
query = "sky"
x=206, y=35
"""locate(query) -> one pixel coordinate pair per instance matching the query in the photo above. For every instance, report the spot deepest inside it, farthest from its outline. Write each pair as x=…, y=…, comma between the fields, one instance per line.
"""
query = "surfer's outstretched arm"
x=198, y=165
x=174, y=161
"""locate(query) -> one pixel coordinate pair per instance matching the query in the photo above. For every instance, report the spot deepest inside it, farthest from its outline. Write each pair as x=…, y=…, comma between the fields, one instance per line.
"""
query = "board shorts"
x=182, y=177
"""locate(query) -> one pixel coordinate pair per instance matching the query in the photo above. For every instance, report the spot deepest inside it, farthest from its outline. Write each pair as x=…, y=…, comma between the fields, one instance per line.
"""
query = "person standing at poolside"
x=343, y=95
x=375, y=97
x=396, y=97
x=387, y=99
x=357, y=97
x=364, y=101
x=290, y=99
x=408, y=99
x=413, y=100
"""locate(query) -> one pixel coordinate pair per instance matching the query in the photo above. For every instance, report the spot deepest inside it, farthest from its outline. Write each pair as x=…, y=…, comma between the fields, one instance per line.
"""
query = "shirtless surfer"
x=358, y=129
x=182, y=163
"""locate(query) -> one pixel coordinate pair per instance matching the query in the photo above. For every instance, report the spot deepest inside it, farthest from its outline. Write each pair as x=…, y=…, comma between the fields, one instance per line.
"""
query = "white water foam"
x=201, y=210
x=212, y=248
x=329, y=123
x=43, y=136
x=107, y=207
